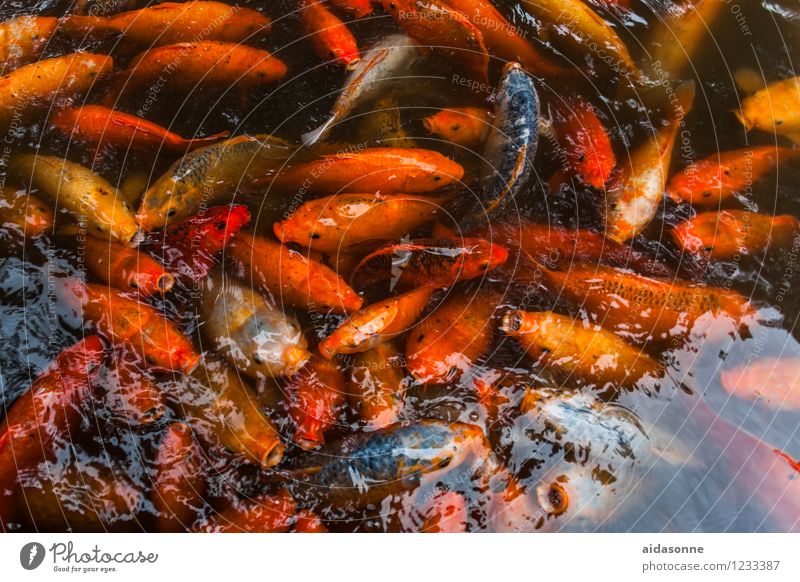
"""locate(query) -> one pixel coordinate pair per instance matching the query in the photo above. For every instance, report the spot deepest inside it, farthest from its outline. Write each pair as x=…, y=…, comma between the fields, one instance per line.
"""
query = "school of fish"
x=430, y=292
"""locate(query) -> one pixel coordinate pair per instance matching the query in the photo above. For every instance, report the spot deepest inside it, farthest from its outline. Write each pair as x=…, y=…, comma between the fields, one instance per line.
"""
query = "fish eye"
x=553, y=498
x=172, y=212
x=259, y=359
x=437, y=178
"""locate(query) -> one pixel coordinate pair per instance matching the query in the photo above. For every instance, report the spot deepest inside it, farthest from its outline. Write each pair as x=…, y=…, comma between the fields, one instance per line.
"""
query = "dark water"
x=693, y=473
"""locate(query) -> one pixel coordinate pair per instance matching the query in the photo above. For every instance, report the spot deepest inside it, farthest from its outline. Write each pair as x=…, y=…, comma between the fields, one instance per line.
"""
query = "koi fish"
x=585, y=141
x=377, y=385
x=728, y=234
x=104, y=129
x=584, y=352
x=773, y=382
x=125, y=268
x=290, y=277
x=209, y=174
x=503, y=40
x=197, y=64
x=550, y=244
x=388, y=62
x=451, y=340
x=23, y=39
x=384, y=170
x=774, y=109
x=633, y=199
x=188, y=247
x=87, y=196
x=44, y=413
x=32, y=88
x=27, y=213
x=432, y=23
x=675, y=41
x=578, y=490
x=376, y=323
x=254, y=336
x=714, y=179
x=180, y=483
x=133, y=324
x=215, y=397
x=463, y=126
x=641, y=308
x=332, y=223
x=368, y=467
x=330, y=36
x=316, y=395
x=429, y=262
x=510, y=147
x=173, y=22
x=574, y=26
x=383, y=126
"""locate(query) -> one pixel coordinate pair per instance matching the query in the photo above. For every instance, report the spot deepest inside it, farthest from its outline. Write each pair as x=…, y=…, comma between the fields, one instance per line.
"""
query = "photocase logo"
x=31, y=555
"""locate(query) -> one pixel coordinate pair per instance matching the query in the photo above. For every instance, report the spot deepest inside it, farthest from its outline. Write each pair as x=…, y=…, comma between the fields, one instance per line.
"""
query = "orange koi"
x=384, y=170
x=23, y=39
x=451, y=340
x=433, y=23
x=198, y=64
x=104, y=129
x=32, y=88
x=714, y=179
x=126, y=268
x=332, y=223
x=316, y=395
x=585, y=141
x=463, y=126
x=377, y=385
x=173, y=22
x=136, y=325
x=728, y=234
x=588, y=353
x=179, y=484
x=331, y=37
x=376, y=323
x=291, y=277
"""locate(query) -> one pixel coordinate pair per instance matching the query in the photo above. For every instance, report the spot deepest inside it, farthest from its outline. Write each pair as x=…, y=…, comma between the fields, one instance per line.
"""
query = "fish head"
x=484, y=257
